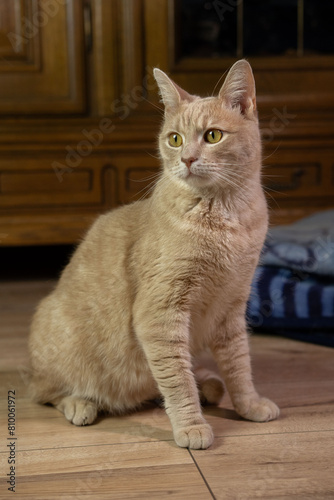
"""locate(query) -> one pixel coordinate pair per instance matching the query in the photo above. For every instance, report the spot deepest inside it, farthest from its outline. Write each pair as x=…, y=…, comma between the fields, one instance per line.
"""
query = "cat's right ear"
x=171, y=93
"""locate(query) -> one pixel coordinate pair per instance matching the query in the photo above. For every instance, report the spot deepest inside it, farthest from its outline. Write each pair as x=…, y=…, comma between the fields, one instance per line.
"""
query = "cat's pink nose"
x=189, y=161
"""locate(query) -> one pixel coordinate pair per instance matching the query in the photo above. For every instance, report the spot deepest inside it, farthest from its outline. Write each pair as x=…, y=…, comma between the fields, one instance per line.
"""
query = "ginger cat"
x=156, y=283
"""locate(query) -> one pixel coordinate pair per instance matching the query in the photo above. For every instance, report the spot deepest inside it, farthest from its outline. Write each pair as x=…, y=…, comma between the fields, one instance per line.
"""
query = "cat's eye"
x=213, y=136
x=175, y=140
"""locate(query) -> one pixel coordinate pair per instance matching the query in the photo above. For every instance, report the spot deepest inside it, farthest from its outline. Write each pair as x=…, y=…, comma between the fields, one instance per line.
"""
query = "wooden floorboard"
x=135, y=457
x=283, y=465
x=132, y=470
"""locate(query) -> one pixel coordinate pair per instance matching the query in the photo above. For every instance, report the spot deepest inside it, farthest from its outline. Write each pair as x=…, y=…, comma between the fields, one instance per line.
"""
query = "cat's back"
x=97, y=277
x=106, y=246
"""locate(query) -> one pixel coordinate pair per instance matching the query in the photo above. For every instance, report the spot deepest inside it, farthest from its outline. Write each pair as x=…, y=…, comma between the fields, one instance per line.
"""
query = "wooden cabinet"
x=80, y=113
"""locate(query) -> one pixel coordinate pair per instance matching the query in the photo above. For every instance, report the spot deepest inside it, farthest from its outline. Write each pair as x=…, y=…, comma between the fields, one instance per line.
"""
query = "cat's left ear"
x=238, y=89
x=170, y=92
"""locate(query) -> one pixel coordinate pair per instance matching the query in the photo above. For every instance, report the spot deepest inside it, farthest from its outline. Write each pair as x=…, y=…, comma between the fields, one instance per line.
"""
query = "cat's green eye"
x=175, y=140
x=213, y=136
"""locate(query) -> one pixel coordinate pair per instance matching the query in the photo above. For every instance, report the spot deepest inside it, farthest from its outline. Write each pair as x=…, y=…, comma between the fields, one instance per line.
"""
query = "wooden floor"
x=135, y=457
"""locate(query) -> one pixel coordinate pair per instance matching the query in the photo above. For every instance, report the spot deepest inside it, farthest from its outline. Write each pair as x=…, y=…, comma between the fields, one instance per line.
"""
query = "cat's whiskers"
x=147, y=189
x=149, y=177
x=271, y=154
x=153, y=156
x=220, y=79
x=153, y=185
x=271, y=197
x=238, y=183
x=235, y=174
x=225, y=179
x=255, y=182
x=232, y=183
x=229, y=164
x=225, y=175
x=161, y=110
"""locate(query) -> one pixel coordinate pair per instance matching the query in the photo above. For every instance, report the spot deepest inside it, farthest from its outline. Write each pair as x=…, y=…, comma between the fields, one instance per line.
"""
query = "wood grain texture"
x=48, y=77
x=291, y=465
x=134, y=456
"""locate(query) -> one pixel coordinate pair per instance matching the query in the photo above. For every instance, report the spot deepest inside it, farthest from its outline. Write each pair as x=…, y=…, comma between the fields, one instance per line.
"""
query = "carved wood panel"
x=41, y=57
x=40, y=183
x=18, y=47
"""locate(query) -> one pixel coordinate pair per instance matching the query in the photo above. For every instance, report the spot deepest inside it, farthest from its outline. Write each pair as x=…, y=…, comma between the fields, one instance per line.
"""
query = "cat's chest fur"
x=220, y=241
x=227, y=253
x=227, y=244
x=203, y=256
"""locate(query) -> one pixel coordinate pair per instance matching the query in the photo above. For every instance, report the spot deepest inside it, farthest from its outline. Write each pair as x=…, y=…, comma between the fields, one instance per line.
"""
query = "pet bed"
x=293, y=288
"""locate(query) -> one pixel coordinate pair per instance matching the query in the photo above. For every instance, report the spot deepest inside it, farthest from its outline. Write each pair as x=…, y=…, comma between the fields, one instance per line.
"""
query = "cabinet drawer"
x=48, y=182
x=297, y=179
x=297, y=174
x=37, y=182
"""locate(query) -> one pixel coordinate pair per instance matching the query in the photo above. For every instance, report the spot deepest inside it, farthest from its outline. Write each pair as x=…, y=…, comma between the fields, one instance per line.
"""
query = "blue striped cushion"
x=286, y=301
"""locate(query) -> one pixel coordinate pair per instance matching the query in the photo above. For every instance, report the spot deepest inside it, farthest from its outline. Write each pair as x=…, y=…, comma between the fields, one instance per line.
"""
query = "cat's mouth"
x=196, y=177
x=193, y=175
x=194, y=171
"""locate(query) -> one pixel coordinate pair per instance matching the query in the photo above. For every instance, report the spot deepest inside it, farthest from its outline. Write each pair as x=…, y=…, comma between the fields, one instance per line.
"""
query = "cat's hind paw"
x=258, y=409
x=77, y=410
x=196, y=437
x=211, y=390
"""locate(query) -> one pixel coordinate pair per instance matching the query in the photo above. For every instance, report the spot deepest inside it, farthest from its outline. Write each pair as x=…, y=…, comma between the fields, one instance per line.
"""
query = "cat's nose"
x=189, y=161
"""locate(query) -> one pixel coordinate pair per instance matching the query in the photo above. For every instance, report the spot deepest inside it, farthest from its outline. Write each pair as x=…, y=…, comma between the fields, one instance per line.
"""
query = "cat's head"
x=211, y=142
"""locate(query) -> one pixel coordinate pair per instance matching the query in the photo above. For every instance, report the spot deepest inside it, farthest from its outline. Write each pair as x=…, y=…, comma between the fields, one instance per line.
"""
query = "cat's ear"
x=171, y=94
x=238, y=89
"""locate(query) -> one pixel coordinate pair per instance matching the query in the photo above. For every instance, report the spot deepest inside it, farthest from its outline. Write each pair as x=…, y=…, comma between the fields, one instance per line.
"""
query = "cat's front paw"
x=78, y=411
x=257, y=409
x=196, y=437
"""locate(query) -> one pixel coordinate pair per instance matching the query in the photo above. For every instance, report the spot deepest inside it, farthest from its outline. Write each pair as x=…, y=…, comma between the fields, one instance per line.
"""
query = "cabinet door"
x=41, y=57
x=288, y=43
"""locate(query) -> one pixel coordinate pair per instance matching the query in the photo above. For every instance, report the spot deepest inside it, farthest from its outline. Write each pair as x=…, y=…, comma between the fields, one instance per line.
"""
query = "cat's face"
x=205, y=144
x=208, y=142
